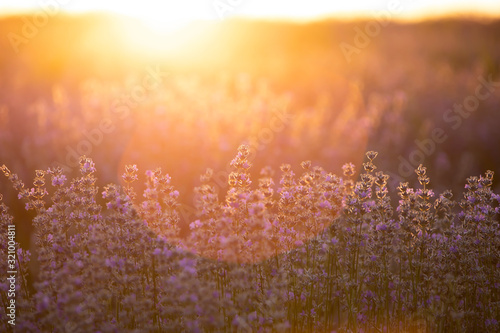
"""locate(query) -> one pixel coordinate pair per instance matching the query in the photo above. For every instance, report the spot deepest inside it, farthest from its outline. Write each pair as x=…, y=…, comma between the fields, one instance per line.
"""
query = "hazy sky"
x=177, y=12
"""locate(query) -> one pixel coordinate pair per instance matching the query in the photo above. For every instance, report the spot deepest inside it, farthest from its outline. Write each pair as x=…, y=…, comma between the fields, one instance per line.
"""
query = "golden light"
x=164, y=17
x=168, y=16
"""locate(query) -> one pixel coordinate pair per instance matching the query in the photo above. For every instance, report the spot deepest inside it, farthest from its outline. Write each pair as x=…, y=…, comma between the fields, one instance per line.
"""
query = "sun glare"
x=166, y=18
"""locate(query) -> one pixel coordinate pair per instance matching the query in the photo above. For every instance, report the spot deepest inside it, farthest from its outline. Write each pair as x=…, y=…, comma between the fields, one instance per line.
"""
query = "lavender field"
x=250, y=176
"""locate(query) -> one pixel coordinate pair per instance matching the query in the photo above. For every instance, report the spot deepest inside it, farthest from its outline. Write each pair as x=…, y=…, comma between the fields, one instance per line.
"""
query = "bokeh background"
x=80, y=83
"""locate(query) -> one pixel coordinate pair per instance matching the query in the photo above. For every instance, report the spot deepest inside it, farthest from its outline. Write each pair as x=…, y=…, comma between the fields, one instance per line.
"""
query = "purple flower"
x=189, y=265
x=325, y=205
x=58, y=180
x=236, y=321
x=491, y=322
x=109, y=263
x=195, y=224
x=88, y=167
x=252, y=316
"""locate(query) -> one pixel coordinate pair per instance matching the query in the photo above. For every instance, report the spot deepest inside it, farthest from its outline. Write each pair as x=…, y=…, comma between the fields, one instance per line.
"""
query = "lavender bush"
x=316, y=253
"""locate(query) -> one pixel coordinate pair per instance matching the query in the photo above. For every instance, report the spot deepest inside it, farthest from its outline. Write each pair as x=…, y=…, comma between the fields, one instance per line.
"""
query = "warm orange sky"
x=168, y=14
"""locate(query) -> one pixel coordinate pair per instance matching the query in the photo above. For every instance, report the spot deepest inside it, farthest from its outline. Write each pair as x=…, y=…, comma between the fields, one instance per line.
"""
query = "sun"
x=165, y=24
x=166, y=17
x=158, y=27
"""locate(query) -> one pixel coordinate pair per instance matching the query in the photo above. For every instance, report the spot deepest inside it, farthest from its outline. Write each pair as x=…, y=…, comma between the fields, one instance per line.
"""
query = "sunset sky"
x=172, y=14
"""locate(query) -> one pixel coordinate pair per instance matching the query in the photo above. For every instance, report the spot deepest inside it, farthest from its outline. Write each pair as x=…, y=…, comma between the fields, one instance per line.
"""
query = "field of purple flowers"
x=224, y=190
x=319, y=252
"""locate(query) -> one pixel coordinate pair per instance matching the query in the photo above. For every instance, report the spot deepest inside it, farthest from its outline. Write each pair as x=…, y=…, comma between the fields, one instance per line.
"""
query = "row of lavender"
x=316, y=253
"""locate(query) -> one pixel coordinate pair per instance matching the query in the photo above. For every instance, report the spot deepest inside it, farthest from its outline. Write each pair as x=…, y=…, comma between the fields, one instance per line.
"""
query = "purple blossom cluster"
x=306, y=252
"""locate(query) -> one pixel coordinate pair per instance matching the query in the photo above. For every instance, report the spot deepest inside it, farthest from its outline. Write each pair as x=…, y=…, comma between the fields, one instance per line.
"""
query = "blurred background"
x=180, y=86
